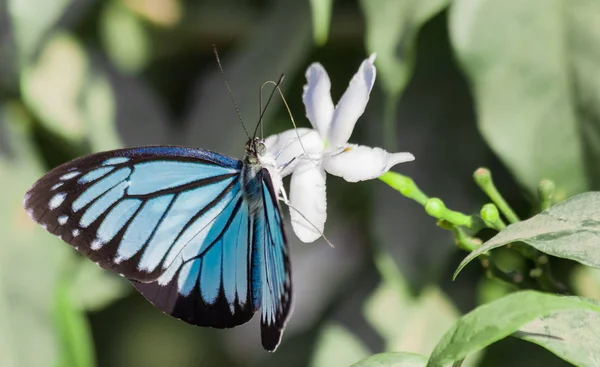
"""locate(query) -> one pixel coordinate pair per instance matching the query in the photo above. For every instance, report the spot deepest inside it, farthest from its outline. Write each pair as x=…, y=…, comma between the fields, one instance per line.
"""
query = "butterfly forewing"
x=129, y=209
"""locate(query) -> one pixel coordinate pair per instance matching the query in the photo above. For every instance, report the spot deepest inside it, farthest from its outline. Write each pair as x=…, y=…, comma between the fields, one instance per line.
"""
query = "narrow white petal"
x=352, y=104
x=317, y=98
x=307, y=196
x=287, y=150
x=358, y=162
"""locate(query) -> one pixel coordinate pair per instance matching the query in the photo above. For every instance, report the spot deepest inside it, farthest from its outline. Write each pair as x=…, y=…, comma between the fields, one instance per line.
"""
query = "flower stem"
x=483, y=178
x=436, y=208
x=461, y=239
x=546, y=193
x=404, y=185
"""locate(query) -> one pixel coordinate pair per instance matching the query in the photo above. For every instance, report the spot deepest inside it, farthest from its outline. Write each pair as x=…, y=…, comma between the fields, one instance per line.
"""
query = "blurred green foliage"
x=81, y=76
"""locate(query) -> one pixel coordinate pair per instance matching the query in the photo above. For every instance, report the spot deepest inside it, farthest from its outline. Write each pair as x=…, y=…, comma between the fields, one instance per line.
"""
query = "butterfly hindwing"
x=270, y=243
x=131, y=210
x=211, y=285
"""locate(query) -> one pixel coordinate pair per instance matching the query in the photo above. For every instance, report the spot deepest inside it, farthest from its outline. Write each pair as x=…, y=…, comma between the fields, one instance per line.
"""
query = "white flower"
x=326, y=147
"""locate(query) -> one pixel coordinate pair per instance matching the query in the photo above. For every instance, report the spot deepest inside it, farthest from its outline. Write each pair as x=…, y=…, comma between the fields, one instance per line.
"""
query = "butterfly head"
x=255, y=150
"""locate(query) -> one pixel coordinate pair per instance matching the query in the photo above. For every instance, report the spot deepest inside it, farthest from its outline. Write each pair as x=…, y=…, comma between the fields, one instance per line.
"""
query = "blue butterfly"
x=199, y=234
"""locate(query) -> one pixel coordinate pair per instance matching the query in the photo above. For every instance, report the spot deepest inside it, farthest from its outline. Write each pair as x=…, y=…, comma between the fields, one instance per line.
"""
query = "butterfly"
x=199, y=234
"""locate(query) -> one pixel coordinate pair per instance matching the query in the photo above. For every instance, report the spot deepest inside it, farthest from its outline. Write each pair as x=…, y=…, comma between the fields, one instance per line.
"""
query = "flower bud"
x=435, y=207
x=489, y=213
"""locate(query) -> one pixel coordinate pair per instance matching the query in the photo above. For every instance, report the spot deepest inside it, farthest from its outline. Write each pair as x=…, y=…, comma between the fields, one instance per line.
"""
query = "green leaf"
x=568, y=230
x=586, y=281
x=51, y=87
x=423, y=320
x=124, y=37
x=30, y=262
x=99, y=112
x=72, y=96
x=32, y=20
x=397, y=359
x=391, y=31
x=529, y=64
x=497, y=320
x=572, y=335
x=94, y=287
x=321, y=18
x=336, y=346
x=73, y=330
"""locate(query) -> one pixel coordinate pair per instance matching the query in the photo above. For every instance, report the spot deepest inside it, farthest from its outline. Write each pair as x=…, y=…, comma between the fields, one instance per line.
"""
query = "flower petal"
x=307, y=196
x=317, y=98
x=285, y=147
x=352, y=104
x=358, y=162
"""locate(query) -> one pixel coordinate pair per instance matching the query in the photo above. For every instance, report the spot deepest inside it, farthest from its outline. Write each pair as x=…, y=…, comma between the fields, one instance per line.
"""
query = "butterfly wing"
x=176, y=222
x=133, y=210
x=211, y=285
x=271, y=251
x=244, y=268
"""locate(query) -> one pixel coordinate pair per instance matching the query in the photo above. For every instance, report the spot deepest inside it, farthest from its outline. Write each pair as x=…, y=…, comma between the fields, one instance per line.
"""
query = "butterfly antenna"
x=261, y=109
x=291, y=118
x=237, y=110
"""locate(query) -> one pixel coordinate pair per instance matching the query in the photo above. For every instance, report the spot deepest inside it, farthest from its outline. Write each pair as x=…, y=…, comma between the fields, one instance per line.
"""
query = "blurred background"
x=507, y=84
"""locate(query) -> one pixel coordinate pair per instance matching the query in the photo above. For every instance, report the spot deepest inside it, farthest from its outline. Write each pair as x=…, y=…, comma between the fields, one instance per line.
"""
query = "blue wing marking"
x=235, y=254
x=100, y=188
x=117, y=218
x=142, y=227
x=95, y=174
x=191, y=240
x=102, y=204
x=179, y=215
x=149, y=177
x=210, y=278
x=188, y=277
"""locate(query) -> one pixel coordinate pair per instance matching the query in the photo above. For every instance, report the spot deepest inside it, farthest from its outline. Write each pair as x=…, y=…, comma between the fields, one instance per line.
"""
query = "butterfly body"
x=199, y=234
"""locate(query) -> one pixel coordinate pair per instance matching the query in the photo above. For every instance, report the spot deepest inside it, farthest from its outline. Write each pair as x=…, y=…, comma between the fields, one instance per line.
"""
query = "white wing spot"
x=57, y=200
x=96, y=245
x=115, y=160
x=56, y=186
x=62, y=220
x=70, y=175
x=45, y=226
x=75, y=233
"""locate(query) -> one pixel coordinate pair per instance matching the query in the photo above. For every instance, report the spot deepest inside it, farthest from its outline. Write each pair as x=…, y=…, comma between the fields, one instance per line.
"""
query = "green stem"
x=546, y=193
x=463, y=241
x=483, y=178
x=436, y=208
x=404, y=185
